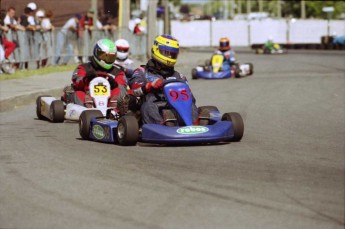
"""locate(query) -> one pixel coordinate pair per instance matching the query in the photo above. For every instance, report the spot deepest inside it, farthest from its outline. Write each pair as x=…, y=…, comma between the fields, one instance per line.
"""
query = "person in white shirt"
x=11, y=21
x=65, y=35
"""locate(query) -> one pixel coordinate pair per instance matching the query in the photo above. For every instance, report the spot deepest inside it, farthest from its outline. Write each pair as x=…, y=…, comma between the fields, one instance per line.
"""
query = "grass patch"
x=19, y=74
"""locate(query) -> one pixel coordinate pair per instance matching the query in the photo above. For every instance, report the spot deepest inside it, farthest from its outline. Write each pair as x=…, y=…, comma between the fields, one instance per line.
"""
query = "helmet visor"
x=169, y=52
x=224, y=44
x=122, y=49
x=108, y=58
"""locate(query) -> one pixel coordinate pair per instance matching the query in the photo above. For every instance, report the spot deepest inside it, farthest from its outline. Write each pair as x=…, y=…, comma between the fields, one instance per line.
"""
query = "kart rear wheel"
x=39, y=107
x=237, y=70
x=237, y=123
x=57, y=111
x=251, y=68
x=194, y=72
x=127, y=131
x=259, y=51
x=85, y=121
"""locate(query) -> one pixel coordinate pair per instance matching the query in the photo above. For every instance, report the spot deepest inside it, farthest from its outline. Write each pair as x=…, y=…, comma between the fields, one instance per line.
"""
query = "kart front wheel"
x=39, y=107
x=237, y=123
x=127, y=131
x=57, y=111
x=85, y=121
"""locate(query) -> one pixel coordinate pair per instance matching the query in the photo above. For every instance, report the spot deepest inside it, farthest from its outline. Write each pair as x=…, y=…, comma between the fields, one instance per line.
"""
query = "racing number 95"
x=100, y=89
x=175, y=95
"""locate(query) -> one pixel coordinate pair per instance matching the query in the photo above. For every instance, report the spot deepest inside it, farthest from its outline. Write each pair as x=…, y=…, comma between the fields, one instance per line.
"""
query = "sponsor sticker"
x=98, y=132
x=192, y=130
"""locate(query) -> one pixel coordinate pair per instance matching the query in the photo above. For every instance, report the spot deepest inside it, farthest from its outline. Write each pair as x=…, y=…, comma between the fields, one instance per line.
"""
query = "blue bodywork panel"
x=103, y=130
x=213, y=75
x=179, y=97
x=155, y=133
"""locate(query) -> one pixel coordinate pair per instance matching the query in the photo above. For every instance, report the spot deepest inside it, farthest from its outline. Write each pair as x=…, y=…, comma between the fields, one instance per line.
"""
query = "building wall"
x=244, y=33
x=62, y=9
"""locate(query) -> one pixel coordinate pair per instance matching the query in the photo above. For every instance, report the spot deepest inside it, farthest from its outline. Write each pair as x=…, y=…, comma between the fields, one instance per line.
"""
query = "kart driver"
x=122, y=47
x=270, y=46
x=148, y=79
x=100, y=64
x=225, y=50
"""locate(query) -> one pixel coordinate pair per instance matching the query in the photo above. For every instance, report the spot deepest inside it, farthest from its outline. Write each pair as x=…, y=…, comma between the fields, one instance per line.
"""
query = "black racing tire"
x=85, y=121
x=57, y=111
x=39, y=107
x=127, y=131
x=259, y=51
x=251, y=66
x=237, y=71
x=194, y=72
x=237, y=123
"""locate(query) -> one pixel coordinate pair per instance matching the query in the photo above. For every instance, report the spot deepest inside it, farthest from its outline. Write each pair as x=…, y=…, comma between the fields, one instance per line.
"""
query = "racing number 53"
x=175, y=95
x=100, y=89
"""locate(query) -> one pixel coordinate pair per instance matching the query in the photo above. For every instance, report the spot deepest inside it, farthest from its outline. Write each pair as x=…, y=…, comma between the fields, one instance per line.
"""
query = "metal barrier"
x=58, y=47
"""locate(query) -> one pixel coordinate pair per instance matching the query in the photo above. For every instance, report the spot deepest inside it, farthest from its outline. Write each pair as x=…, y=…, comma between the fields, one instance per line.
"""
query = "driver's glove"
x=154, y=85
x=112, y=82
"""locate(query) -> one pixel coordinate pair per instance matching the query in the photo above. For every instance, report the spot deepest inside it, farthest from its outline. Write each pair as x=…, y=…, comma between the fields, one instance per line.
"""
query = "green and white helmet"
x=104, y=53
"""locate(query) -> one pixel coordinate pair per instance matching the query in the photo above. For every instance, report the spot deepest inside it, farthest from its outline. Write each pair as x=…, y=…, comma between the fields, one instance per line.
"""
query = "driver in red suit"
x=100, y=64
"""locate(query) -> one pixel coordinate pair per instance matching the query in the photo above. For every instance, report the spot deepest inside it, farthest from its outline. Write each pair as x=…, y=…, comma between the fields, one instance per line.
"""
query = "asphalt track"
x=287, y=172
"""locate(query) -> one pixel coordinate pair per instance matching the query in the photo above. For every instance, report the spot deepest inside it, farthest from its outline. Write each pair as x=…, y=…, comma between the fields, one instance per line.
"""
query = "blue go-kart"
x=213, y=69
x=178, y=127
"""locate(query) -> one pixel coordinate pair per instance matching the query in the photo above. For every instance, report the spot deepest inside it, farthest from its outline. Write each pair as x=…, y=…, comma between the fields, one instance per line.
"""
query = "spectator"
x=11, y=21
x=86, y=21
x=47, y=29
x=137, y=28
x=31, y=17
x=31, y=39
x=6, y=47
x=67, y=35
x=26, y=19
x=86, y=26
x=46, y=23
x=103, y=23
x=39, y=43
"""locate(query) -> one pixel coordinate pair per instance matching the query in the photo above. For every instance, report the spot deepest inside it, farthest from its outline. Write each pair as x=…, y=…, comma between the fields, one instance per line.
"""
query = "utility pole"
x=165, y=4
x=279, y=9
x=94, y=8
x=124, y=15
x=232, y=12
x=239, y=6
x=302, y=9
x=225, y=9
x=261, y=6
x=249, y=7
x=151, y=25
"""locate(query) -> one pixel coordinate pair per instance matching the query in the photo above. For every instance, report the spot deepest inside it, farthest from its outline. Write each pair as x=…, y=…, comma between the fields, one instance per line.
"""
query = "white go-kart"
x=55, y=110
